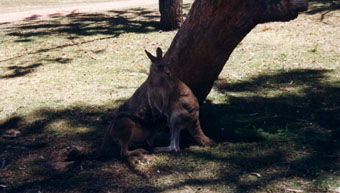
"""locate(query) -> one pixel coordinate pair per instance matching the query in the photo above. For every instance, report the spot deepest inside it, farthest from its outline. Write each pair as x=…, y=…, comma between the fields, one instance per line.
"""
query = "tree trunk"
x=211, y=32
x=171, y=14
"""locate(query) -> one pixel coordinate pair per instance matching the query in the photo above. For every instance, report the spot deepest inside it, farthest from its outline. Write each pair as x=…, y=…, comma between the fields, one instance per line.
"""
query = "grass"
x=10, y=6
x=275, y=109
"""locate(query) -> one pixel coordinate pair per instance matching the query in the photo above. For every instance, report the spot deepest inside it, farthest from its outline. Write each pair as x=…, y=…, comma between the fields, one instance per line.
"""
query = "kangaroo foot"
x=206, y=141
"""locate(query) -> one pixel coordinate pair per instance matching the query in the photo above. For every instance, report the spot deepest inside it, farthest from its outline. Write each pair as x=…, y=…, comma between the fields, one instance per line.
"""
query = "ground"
x=24, y=10
x=274, y=111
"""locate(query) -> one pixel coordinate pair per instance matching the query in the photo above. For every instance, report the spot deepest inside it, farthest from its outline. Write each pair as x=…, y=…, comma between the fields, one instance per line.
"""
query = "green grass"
x=275, y=109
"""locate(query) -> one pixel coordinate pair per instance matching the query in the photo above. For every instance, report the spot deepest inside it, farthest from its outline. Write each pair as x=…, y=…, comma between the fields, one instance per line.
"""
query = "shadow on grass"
x=308, y=119
x=76, y=28
x=291, y=135
x=324, y=7
x=114, y=23
x=73, y=177
x=19, y=71
x=101, y=26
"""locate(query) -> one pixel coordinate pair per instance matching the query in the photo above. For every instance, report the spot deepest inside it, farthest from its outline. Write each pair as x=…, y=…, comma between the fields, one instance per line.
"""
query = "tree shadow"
x=306, y=121
x=274, y=166
x=113, y=23
x=303, y=96
x=309, y=118
x=102, y=26
x=266, y=132
x=24, y=69
x=77, y=175
x=323, y=7
x=18, y=71
x=79, y=29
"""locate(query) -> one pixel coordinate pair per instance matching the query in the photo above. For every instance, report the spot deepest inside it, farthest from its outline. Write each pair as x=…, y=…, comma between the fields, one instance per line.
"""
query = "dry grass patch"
x=274, y=110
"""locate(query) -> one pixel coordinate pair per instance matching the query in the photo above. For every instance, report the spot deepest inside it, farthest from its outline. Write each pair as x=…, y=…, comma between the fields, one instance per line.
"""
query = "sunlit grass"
x=274, y=110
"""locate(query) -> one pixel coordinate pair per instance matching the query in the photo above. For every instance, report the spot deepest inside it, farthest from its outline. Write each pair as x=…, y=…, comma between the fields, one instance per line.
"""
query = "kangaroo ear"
x=150, y=56
x=159, y=53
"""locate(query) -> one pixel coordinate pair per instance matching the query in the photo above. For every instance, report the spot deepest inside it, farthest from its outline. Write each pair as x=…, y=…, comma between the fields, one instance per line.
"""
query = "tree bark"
x=211, y=32
x=171, y=14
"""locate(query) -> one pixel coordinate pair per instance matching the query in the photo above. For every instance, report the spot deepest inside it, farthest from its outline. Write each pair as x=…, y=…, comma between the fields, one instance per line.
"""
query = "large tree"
x=171, y=14
x=211, y=32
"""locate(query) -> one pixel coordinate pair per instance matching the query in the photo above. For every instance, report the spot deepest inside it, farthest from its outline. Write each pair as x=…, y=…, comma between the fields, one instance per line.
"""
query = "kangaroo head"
x=158, y=66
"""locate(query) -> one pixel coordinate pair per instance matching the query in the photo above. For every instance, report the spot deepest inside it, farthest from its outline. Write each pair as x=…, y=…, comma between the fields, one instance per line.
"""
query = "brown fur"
x=131, y=122
x=170, y=97
x=161, y=96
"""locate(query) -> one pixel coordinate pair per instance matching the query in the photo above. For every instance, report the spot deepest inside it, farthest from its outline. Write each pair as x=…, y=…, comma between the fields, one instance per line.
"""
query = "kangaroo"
x=161, y=100
x=131, y=122
x=170, y=97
